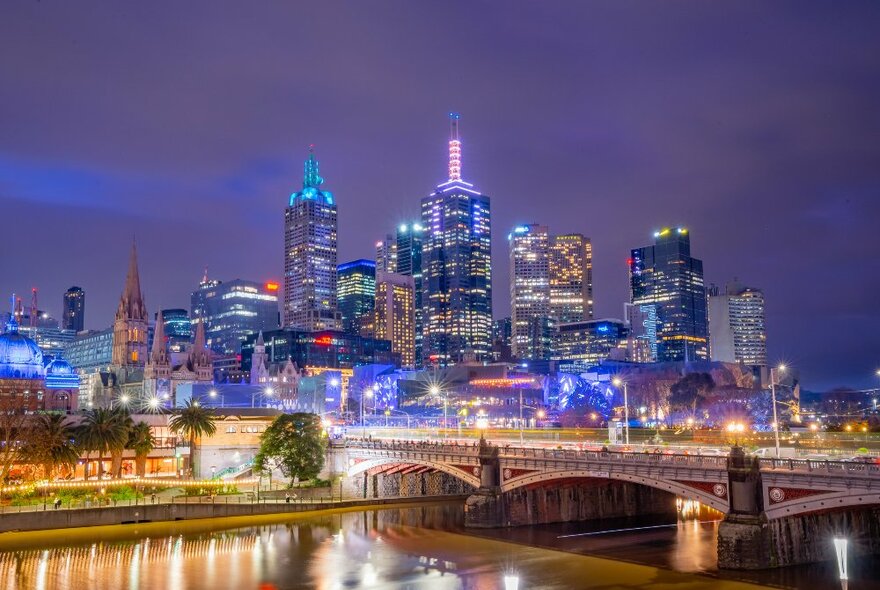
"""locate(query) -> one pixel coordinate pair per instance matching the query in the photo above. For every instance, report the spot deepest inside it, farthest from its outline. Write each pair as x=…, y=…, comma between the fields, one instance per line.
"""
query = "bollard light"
x=840, y=548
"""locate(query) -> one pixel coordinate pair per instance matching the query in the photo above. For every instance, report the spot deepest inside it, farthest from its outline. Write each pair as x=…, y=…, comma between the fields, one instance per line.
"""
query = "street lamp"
x=840, y=546
x=436, y=391
x=213, y=394
x=773, y=370
x=617, y=383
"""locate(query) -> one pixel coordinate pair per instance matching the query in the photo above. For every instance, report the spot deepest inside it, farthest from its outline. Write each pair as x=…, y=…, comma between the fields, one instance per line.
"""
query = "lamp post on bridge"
x=780, y=368
x=617, y=383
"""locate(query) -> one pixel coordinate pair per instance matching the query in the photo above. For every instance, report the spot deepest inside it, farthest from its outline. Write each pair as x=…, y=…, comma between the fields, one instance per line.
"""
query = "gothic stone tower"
x=130, y=326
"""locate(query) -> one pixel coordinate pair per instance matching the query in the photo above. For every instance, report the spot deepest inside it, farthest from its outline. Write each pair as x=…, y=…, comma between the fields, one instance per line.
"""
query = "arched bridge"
x=788, y=486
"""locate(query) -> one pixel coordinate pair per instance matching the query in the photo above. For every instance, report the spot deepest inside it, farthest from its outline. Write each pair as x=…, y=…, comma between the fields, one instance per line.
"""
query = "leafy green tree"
x=193, y=421
x=295, y=444
x=51, y=444
x=142, y=442
x=102, y=431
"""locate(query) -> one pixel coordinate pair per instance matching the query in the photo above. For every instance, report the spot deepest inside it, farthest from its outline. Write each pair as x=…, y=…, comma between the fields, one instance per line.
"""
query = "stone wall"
x=382, y=485
x=755, y=543
x=566, y=501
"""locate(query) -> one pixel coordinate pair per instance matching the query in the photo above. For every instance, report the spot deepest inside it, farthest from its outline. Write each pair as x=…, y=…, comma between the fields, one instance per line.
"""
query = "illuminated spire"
x=131, y=304
x=311, y=178
x=454, y=148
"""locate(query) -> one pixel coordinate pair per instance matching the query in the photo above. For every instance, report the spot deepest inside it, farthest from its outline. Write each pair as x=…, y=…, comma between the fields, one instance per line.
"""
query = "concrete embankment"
x=86, y=517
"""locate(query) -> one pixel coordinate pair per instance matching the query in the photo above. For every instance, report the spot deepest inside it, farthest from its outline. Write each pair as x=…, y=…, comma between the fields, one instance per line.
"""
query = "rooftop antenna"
x=33, y=318
x=454, y=148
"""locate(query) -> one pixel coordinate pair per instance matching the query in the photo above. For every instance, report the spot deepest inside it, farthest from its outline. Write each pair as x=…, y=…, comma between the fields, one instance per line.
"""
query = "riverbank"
x=391, y=546
x=140, y=514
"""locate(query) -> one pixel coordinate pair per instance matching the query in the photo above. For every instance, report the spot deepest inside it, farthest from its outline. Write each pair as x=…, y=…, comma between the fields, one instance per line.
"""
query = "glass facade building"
x=668, y=278
x=395, y=314
x=530, y=292
x=355, y=293
x=581, y=345
x=409, y=263
x=323, y=349
x=90, y=350
x=233, y=310
x=456, y=268
x=571, y=278
x=310, y=255
x=74, y=310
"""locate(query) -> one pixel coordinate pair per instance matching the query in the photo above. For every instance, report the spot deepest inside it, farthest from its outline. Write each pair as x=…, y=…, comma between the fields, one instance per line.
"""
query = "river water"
x=416, y=547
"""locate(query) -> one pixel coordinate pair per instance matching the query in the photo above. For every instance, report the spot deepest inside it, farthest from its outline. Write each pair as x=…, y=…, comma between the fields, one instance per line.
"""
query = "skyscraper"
x=130, y=326
x=232, y=310
x=530, y=291
x=74, y=306
x=310, y=255
x=355, y=292
x=386, y=254
x=395, y=314
x=668, y=278
x=456, y=267
x=737, y=331
x=410, y=238
x=571, y=278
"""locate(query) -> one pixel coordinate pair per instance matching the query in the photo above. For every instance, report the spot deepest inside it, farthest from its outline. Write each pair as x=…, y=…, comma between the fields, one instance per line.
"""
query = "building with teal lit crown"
x=456, y=267
x=310, y=255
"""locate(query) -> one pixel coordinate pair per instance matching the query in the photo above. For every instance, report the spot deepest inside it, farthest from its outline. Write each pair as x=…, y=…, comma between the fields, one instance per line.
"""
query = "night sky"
x=754, y=124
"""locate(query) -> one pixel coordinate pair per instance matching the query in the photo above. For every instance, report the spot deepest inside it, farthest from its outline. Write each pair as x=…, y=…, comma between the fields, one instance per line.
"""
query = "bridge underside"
x=394, y=479
x=566, y=500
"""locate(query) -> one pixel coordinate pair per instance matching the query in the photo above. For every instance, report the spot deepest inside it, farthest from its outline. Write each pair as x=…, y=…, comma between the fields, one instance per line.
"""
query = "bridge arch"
x=707, y=497
x=367, y=464
x=823, y=502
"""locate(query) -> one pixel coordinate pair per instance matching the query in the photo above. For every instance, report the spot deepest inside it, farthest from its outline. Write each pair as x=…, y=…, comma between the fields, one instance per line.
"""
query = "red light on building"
x=272, y=286
x=324, y=340
x=629, y=261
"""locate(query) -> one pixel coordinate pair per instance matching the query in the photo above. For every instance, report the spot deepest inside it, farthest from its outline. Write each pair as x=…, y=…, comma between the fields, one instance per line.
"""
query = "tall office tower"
x=668, y=278
x=395, y=318
x=571, y=279
x=176, y=329
x=410, y=238
x=737, y=331
x=130, y=327
x=355, y=292
x=233, y=310
x=74, y=307
x=530, y=292
x=386, y=254
x=456, y=267
x=310, y=255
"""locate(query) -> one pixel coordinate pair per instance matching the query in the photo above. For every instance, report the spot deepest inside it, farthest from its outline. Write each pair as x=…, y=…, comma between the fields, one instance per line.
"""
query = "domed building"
x=23, y=375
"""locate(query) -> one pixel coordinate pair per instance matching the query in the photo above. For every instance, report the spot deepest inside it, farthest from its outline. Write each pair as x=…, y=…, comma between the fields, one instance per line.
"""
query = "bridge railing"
x=715, y=462
x=822, y=466
x=454, y=447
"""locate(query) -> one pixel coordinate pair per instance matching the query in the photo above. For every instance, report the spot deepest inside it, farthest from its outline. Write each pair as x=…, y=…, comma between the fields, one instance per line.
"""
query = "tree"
x=102, y=431
x=295, y=444
x=116, y=452
x=15, y=427
x=51, y=444
x=142, y=442
x=688, y=392
x=192, y=422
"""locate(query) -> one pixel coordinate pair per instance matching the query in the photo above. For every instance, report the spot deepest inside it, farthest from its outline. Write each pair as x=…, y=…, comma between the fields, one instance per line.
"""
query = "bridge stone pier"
x=777, y=512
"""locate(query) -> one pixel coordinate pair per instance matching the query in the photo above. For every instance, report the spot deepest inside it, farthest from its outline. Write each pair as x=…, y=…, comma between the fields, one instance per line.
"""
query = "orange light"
x=324, y=340
x=270, y=286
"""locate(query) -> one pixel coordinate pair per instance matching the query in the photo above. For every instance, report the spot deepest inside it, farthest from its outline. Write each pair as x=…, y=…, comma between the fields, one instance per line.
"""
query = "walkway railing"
x=822, y=466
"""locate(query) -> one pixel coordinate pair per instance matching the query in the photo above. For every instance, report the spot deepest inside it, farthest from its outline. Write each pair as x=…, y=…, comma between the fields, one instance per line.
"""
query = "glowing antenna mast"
x=454, y=148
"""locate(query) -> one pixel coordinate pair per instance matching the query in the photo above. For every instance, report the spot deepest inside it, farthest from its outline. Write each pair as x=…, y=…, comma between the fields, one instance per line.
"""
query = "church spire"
x=454, y=148
x=131, y=304
x=159, y=355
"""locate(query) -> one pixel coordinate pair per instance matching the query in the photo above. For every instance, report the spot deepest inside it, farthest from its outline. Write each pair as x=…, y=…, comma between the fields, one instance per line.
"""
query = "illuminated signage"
x=270, y=286
x=324, y=340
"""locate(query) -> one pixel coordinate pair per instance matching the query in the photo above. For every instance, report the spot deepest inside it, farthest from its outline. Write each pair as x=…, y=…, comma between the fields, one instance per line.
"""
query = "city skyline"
x=775, y=177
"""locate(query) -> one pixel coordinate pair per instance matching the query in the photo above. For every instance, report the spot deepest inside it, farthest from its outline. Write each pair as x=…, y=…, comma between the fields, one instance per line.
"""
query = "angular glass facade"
x=323, y=349
x=667, y=277
x=233, y=310
x=581, y=345
x=74, y=308
x=355, y=292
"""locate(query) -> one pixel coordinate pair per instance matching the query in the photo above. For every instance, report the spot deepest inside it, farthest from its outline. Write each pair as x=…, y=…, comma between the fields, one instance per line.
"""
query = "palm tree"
x=142, y=442
x=51, y=444
x=102, y=430
x=116, y=452
x=193, y=421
